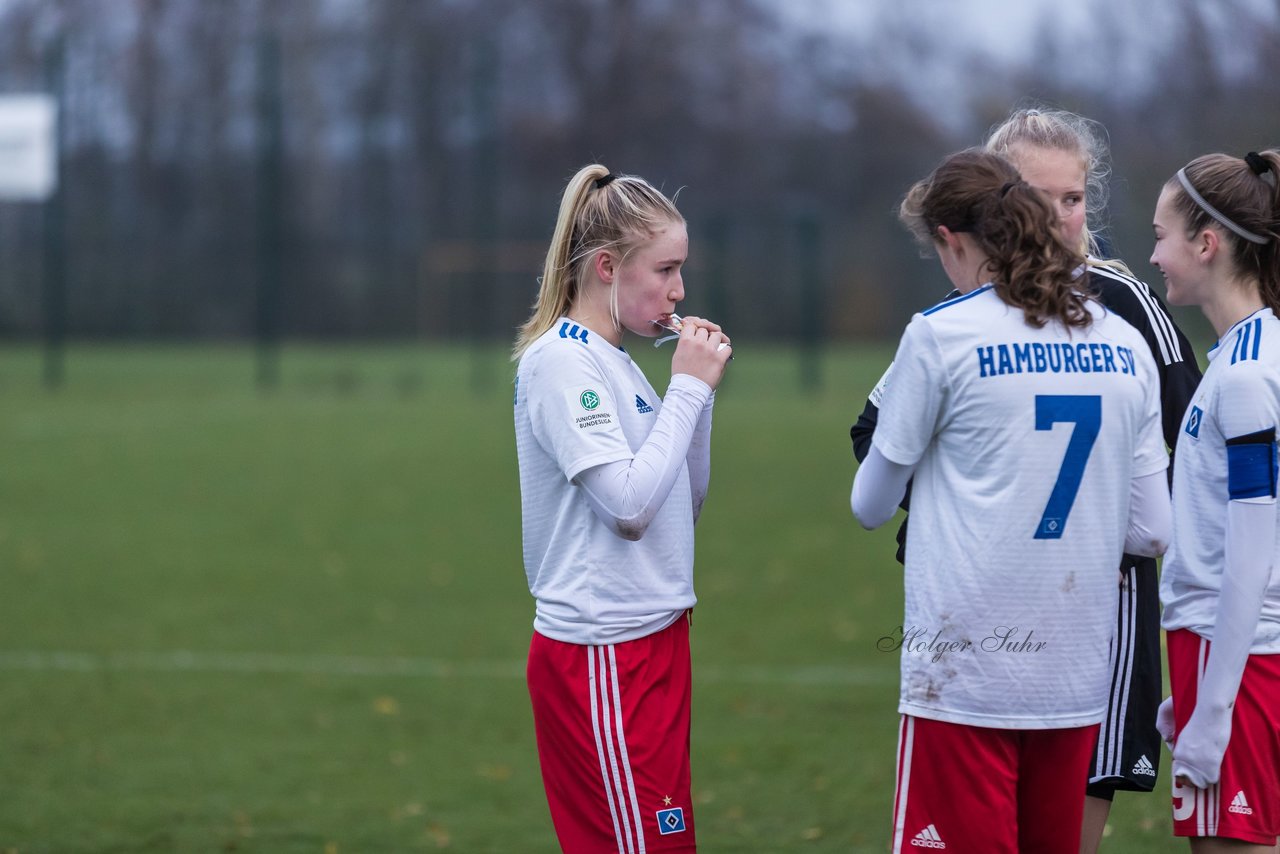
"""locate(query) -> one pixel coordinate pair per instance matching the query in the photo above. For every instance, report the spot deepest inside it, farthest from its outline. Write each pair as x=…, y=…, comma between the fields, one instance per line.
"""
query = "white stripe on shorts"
x=615, y=765
x=622, y=747
x=593, y=680
x=1107, y=761
x=906, y=740
x=1208, y=801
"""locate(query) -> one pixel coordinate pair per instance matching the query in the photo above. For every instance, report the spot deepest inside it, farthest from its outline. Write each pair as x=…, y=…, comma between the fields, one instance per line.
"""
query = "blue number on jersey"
x=1085, y=411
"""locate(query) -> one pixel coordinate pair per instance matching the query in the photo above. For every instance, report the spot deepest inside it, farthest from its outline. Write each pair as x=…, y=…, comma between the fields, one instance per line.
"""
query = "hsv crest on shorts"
x=671, y=821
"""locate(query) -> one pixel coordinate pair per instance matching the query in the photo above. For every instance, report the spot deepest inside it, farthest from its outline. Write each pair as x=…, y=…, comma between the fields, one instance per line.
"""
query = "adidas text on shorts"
x=963, y=788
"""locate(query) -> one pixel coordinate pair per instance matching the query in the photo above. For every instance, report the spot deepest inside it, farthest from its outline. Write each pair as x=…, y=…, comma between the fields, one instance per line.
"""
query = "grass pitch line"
x=182, y=661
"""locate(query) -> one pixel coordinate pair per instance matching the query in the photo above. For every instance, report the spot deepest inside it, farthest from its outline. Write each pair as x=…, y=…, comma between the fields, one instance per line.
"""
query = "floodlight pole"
x=484, y=103
x=55, y=262
x=811, y=307
x=269, y=211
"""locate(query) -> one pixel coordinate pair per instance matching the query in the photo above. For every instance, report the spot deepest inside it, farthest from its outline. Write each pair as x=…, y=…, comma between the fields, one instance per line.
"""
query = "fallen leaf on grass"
x=498, y=773
x=438, y=835
x=406, y=811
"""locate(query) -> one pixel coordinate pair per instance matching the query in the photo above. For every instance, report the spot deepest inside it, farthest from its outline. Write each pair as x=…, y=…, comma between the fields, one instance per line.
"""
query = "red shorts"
x=613, y=741
x=999, y=791
x=1245, y=802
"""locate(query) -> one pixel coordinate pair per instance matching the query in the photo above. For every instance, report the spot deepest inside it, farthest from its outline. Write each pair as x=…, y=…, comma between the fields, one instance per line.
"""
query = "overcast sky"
x=991, y=20
x=1006, y=28
x=944, y=32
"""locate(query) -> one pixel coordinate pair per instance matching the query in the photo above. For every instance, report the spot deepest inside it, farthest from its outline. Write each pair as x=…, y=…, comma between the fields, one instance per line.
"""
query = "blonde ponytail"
x=599, y=210
x=557, y=287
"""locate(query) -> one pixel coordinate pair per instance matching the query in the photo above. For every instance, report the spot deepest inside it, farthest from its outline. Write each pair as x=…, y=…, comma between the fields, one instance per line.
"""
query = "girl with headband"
x=1216, y=223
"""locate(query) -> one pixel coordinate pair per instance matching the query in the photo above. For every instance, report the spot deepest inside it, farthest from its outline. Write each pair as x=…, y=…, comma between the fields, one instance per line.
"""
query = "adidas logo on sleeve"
x=928, y=838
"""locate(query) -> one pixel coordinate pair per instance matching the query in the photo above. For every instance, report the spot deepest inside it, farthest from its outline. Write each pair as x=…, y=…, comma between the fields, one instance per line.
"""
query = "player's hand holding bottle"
x=702, y=350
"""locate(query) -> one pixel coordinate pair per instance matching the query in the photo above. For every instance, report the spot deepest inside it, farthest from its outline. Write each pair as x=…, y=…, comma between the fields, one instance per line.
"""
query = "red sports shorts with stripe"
x=1245, y=802
x=998, y=791
x=613, y=741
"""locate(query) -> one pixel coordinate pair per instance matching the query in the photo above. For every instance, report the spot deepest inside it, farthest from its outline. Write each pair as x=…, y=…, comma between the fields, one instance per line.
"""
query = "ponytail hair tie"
x=1259, y=164
x=601, y=183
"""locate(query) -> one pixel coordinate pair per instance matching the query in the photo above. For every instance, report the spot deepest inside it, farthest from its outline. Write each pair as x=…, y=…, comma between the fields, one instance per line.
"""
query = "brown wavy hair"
x=982, y=194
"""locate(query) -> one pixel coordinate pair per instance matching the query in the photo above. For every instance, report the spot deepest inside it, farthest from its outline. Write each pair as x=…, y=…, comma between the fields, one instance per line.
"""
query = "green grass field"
x=296, y=621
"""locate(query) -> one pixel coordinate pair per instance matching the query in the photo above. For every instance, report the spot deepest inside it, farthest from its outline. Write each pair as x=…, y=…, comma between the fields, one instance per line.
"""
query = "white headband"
x=1215, y=213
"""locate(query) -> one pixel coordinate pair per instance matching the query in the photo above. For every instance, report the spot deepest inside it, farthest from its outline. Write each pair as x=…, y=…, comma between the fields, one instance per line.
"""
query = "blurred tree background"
x=390, y=169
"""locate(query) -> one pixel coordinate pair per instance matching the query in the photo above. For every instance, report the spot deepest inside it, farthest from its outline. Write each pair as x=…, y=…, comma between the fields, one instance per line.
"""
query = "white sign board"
x=28, y=147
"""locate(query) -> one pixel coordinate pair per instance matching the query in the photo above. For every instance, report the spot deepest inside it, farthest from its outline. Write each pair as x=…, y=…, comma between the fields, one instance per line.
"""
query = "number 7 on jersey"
x=1085, y=411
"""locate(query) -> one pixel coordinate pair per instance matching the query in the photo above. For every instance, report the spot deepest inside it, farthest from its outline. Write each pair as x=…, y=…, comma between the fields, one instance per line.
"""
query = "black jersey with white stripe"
x=1174, y=357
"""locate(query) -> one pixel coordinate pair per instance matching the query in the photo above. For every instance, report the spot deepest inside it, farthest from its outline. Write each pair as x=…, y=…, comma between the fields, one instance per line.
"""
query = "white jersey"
x=1025, y=442
x=581, y=402
x=1239, y=395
